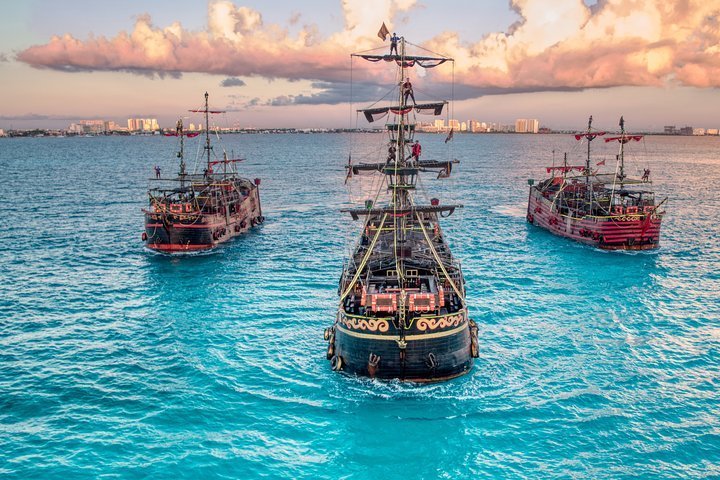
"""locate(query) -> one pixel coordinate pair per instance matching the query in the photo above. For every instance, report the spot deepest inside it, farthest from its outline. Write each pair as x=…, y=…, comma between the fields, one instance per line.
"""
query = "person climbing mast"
x=407, y=89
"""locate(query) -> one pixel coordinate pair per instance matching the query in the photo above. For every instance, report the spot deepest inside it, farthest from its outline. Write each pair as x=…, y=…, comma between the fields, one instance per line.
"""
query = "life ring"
x=259, y=219
x=237, y=228
x=530, y=218
x=596, y=236
x=336, y=363
x=326, y=333
x=330, y=351
x=144, y=236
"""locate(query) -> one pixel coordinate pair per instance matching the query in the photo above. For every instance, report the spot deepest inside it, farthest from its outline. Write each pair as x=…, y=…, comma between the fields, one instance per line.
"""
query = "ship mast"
x=399, y=195
x=207, y=131
x=622, y=151
x=181, y=153
x=588, y=190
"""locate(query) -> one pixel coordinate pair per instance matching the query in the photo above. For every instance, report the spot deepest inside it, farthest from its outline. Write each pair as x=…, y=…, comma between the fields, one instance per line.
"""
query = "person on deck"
x=393, y=43
x=407, y=89
x=416, y=151
x=646, y=175
x=157, y=171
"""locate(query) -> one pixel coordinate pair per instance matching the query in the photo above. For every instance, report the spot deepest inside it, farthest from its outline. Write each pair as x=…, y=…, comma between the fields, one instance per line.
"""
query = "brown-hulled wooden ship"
x=194, y=212
x=610, y=211
x=402, y=311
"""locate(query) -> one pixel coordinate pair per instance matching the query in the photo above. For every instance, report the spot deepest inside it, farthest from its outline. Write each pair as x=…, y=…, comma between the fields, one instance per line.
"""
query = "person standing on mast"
x=416, y=151
x=394, y=43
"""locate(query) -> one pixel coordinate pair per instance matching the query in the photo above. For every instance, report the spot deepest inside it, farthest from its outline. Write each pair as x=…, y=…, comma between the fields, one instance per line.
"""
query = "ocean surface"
x=116, y=362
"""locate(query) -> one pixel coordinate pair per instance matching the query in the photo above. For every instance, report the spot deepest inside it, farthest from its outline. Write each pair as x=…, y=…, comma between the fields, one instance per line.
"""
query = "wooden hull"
x=617, y=232
x=437, y=348
x=184, y=233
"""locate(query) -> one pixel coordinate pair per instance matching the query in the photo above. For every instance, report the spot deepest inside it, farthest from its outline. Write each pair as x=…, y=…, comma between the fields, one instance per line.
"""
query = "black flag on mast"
x=384, y=32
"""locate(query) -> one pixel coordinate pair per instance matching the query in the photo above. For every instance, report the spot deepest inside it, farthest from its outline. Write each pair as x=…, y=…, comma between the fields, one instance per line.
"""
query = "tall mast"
x=622, y=151
x=181, y=153
x=207, y=130
x=402, y=192
x=588, y=191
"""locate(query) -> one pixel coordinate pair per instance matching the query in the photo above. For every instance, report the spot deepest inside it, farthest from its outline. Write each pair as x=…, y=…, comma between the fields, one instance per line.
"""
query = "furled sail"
x=407, y=60
x=372, y=114
x=624, y=138
x=589, y=136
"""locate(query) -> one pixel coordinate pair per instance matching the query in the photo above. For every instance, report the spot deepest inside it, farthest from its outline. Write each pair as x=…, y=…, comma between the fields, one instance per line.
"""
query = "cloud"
x=237, y=42
x=4, y=57
x=556, y=45
x=612, y=43
x=41, y=116
x=232, y=82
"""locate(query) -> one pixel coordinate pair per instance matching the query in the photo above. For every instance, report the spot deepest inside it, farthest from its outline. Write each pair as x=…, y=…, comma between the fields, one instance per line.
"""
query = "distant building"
x=698, y=131
x=710, y=131
x=527, y=125
x=670, y=130
x=686, y=131
x=142, y=125
x=2, y=132
x=463, y=127
x=453, y=123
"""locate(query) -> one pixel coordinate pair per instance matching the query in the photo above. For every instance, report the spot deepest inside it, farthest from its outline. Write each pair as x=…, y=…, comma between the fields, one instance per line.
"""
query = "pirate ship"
x=610, y=210
x=197, y=211
x=402, y=311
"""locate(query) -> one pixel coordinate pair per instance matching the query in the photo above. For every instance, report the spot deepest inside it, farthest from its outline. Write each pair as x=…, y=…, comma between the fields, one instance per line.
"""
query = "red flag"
x=600, y=163
x=384, y=32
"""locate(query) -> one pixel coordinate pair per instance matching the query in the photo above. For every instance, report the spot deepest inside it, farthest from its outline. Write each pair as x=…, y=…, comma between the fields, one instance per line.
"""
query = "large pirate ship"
x=402, y=311
x=611, y=211
x=197, y=211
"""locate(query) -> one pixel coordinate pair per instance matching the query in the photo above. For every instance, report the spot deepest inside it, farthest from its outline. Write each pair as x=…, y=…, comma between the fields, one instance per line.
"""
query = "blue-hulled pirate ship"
x=198, y=211
x=402, y=312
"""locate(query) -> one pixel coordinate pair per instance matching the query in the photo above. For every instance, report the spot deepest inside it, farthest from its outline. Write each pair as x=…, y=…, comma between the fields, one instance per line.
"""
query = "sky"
x=284, y=63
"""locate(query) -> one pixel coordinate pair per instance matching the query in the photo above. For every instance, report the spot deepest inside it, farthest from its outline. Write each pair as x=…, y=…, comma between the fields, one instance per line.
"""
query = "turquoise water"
x=119, y=363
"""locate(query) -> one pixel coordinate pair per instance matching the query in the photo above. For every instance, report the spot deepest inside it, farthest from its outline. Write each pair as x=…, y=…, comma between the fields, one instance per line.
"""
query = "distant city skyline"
x=279, y=64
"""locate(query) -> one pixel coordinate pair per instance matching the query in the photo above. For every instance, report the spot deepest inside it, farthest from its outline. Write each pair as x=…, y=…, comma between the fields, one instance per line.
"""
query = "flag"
x=384, y=32
x=450, y=135
x=600, y=163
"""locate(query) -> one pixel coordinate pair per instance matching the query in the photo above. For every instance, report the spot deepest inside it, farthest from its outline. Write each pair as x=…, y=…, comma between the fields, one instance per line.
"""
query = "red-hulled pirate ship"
x=198, y=211
x=610, y=210
x=402, y=311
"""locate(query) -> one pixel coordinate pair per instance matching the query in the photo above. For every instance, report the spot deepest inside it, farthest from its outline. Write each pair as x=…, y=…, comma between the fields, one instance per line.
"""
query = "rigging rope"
x=437, y=258
x=358, y=271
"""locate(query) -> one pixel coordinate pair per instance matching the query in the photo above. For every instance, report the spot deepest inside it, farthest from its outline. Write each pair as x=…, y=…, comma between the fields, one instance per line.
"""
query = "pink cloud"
x=566, y=45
